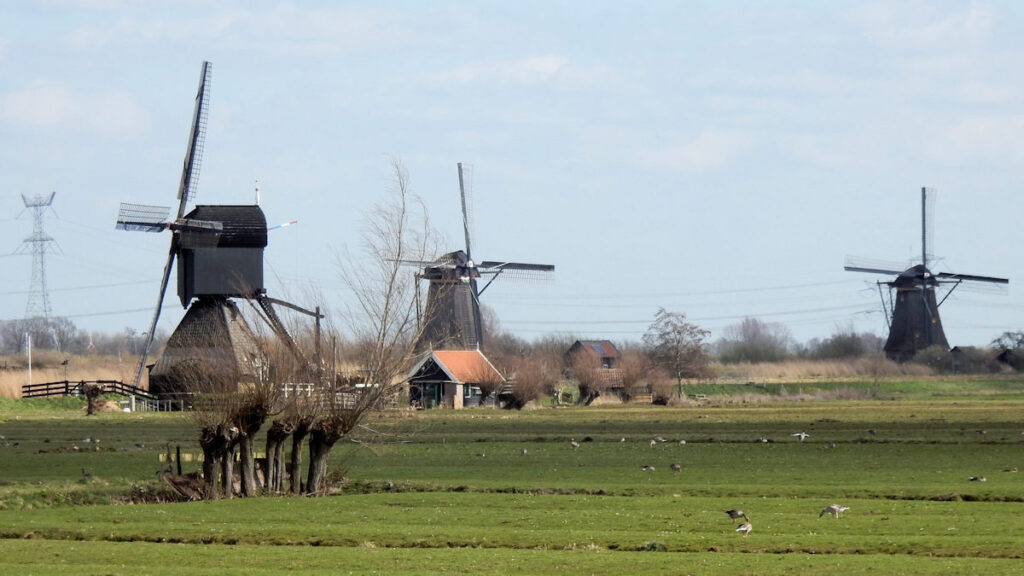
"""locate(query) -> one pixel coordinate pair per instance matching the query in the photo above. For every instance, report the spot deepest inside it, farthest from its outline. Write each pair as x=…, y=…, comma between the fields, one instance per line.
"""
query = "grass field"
x=465, y=499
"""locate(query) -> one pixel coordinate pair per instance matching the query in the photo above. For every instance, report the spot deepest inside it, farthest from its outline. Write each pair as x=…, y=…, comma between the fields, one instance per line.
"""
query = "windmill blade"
x=873, y=266
x=487, y=264
x=142, y=218
x=466, y=193
x=196, y=141
x=186, y=190
x=156, y=315
x=972, y=278
x=872, y=270
x=929, y=196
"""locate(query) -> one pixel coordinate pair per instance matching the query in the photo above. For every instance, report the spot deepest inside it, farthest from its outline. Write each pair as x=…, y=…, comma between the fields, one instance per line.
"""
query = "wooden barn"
x=450, y=379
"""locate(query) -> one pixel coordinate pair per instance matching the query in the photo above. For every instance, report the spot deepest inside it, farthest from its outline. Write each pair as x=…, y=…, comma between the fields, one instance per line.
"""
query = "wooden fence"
x=144, y=400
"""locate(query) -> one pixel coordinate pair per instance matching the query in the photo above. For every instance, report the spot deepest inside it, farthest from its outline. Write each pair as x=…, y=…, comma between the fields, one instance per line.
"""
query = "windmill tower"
x=219, y=249
x=913, y=309
x=452, y=314
x=38, y=244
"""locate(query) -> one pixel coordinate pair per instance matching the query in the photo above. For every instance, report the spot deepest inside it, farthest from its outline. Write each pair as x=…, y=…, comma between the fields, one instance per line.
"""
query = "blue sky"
x=715, y=158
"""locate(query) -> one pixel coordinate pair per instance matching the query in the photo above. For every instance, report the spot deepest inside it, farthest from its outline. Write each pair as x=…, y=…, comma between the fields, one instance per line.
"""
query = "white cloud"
x=709, y=150
x=915, y=24
x=526, y=71
x=48, y=105
x=42, y=104
x=980, y=141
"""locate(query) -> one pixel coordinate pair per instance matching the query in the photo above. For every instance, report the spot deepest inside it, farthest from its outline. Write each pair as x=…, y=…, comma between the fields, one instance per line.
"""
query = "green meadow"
x=486, y=491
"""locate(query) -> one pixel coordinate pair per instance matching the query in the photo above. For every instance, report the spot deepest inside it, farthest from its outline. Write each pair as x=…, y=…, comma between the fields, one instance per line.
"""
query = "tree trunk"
x=211, y=467
x=276, y=435
x=321, y=443
x=228, y=472
x=246, y=467
x=295, y=467
x=92, y=394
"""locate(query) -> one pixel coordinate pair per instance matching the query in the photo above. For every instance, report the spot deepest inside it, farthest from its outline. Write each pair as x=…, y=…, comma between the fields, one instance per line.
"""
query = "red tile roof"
x=465, y=365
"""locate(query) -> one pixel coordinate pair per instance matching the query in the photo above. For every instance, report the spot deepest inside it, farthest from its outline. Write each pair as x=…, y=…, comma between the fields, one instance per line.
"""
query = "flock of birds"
x=833, y=510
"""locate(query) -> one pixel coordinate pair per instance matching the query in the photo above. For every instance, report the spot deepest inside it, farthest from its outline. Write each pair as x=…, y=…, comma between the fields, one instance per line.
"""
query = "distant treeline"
x=62, y=335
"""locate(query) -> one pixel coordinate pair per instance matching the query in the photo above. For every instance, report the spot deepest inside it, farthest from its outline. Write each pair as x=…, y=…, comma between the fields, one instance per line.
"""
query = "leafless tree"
x=529, y=377
x=753, y=340
x=591, y=379
x=383, y=315
x=677, y=346
x=633, y=371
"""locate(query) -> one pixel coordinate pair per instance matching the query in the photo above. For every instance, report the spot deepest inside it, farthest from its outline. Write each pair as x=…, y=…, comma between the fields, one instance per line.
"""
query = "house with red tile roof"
x=450, y=378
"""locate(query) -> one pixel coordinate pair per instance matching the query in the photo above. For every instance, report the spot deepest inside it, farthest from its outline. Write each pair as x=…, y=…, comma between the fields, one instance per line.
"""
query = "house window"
x=606, y=362
x=467, y=391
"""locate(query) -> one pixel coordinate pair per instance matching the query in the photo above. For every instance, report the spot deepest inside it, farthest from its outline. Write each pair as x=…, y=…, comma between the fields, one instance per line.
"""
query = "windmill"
x=219, y=250
x=912, y=310
x=451, y=319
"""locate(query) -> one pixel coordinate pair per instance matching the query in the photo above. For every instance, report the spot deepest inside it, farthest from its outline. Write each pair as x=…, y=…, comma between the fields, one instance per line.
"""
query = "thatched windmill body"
x=219, y=249
x=912, y=309
x=450, y=320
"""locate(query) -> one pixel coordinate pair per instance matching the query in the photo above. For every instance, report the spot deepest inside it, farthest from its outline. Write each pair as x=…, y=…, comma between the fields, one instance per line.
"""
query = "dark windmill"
x=912, y=309
x=219, y=249
x=451, y=318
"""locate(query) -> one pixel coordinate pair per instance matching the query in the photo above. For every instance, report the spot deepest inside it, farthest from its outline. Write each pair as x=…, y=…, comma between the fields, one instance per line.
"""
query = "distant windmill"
x=219, y=249
x=452, y=314
x=913, y=317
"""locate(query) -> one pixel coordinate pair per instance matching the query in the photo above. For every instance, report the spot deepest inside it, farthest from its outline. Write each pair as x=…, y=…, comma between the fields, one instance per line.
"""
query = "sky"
x=719, y=159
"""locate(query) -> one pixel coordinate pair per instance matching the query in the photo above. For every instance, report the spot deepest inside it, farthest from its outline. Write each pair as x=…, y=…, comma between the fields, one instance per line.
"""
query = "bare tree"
x=529, y=378
x=753, y=340
x=489, y=381
x=383, y=315
x=634, y=369
x=591, y=379
x=677, y=346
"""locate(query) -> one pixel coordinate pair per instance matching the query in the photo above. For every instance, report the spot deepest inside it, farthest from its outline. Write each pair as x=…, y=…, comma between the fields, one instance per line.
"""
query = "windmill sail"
x=139, y=217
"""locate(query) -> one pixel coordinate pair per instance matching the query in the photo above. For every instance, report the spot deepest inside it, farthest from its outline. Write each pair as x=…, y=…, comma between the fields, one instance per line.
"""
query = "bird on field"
x=736, y=513
x=647, y=468
x=1014, y=469
x=574, y=443
x=746, y=527
x=800, y=436
x=86, y=474
x=523, y=452
x=834, y=510
x=832, y=445
x=654, y=443
x=682, y=442
x=623, y=439
x=763, y=440
x=659, y=439
x=481, y=455
x=977, y=478
x=675, y=467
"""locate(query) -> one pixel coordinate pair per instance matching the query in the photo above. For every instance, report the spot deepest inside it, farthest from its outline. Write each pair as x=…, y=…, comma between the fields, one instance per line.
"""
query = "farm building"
x=450, y=379
x=602, y=351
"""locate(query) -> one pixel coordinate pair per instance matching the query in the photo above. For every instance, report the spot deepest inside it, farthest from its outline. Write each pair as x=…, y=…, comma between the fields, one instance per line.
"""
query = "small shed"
x=602, y=351
x=450, y=378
